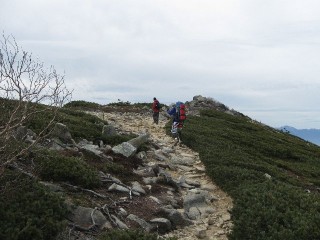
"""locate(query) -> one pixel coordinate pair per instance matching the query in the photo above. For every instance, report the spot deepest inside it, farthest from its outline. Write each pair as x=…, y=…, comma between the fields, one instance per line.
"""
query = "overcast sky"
x=259, y=57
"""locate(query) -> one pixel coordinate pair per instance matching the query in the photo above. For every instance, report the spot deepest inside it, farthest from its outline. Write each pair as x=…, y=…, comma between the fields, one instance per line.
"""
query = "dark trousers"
x=156, y=117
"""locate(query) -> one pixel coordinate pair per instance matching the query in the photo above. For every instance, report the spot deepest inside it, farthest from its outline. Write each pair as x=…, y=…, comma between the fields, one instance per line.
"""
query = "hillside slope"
x=81, y=190
x=272, y=176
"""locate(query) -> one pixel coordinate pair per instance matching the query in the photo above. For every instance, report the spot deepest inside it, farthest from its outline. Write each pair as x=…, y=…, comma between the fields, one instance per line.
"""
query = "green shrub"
x=119, y=170
x=83, y=105
x=279, y=212
x=53, y=166
x=80, y=124
x=27, y=210
x=237, y=153
x=114, y=168
x=120, y=103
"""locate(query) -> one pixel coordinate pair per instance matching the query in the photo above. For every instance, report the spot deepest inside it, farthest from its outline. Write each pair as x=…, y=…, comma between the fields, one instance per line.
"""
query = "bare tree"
x=25, y=84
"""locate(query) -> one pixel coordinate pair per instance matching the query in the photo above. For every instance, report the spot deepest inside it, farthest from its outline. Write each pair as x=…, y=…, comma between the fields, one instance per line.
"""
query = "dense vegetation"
x=238, y=152
x=56, y=167
x=83, y=105
x=27, y=210
x=80, y=124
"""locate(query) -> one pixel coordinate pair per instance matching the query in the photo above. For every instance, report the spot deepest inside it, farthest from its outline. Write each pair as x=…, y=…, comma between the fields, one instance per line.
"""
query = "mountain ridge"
x=311, y=134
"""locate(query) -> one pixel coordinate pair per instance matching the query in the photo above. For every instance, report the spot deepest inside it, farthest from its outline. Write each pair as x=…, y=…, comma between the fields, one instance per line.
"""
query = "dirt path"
x=215, y=225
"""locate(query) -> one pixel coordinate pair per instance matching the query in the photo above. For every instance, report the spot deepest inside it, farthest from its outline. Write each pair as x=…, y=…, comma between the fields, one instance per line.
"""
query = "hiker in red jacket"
x=156, y=109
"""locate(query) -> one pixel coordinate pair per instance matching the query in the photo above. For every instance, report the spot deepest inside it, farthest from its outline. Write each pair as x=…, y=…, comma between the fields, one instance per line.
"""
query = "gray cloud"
x=261, y=58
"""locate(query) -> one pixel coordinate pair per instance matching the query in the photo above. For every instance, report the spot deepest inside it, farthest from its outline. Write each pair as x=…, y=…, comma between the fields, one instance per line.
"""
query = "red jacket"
x=154, y=106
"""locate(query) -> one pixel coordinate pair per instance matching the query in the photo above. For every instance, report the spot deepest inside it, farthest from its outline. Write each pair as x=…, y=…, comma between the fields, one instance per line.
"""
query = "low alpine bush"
x=28, y=211
x=238, y=153
x=56, y=167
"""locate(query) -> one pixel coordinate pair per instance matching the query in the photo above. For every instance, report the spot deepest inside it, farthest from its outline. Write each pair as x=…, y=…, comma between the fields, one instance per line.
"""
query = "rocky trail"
x=205, y=208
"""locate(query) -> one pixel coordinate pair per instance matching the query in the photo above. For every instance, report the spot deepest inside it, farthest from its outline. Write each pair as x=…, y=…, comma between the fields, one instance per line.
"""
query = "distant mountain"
x=311, y=135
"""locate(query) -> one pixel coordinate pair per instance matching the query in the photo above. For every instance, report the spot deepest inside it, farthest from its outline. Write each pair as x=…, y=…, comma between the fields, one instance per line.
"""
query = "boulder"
x=155, y=199
x=93, y=149
x=108, y=130
x=207, y=194
x=138, y=141
x=199, y=98
x=267, y=176
x=199, y=212
x=150, y=180
x=118, y=188
x=122, y=212
x=31, y=134
x=144, y=171
x=176, y=217
x=119, y=223
x=167, y=150
x=193, y=182
x=201, y=233
x=159, y=156
x=141, y=155
x=81, y=216
x=56, y=145
x=126, y=149
x=61, y=132
x=193, y=213
x=142, y=223
x=162, y=225
x=136, y=187
x=194, y=200
x=21, y=133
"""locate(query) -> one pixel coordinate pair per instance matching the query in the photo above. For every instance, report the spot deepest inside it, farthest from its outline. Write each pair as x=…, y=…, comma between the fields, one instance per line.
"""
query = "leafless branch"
x=106, y=211
x=25, y=84
x=85, y=190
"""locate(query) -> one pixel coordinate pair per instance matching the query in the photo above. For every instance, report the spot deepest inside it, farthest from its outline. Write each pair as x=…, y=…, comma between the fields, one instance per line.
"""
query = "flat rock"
x=142, y=223
x=194, y=200
x=81, y=216
x=137, y=188
x=116, y=187
x=126, y=149
x=119, y=223
x=163, y=225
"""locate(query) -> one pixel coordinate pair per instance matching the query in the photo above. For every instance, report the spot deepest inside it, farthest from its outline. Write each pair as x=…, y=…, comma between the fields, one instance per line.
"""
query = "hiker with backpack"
x=156, y=109
x=178, y=112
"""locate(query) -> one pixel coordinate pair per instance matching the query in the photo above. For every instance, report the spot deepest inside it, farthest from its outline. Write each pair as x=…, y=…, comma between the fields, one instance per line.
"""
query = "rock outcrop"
x=199, y=103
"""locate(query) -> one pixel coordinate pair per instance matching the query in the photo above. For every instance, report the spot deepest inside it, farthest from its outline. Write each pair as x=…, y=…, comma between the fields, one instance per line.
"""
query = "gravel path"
x=215, y=225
